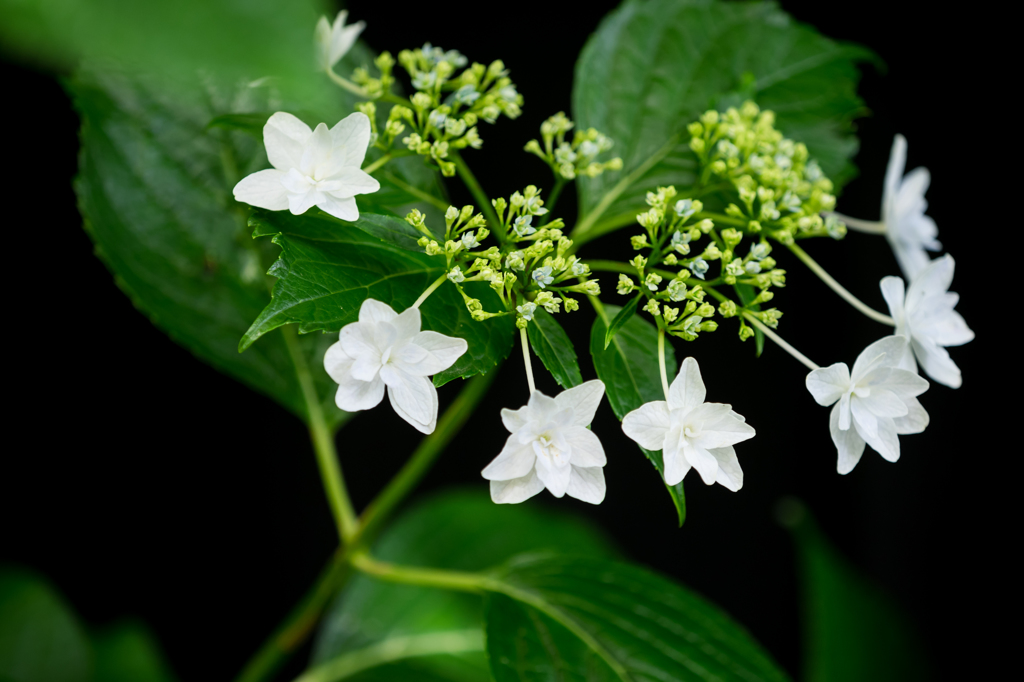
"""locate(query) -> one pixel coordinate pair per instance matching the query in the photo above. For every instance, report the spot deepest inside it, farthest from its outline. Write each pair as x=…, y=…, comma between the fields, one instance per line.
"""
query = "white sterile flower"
x=907, y=228
x=550, y=447
x=335, y=40
x=690, y=432
x=387, y=349
x=542, y=276
x=926, y=317
x=311, y=168
x=874, y=403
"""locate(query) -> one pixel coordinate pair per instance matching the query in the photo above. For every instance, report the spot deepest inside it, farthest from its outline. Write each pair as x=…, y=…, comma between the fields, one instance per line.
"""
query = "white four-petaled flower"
x=907, y=228
x=690, y=432
x=550, y=447
x=311, y=167
x=387, y=349
x=926, y=317
x=333, y=41
x=874, y=403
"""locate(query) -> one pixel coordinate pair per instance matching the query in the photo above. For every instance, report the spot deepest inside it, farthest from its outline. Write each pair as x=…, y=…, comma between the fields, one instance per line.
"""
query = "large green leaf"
x=852, y=630
x=458, y=530
x=585, y=618
x=654, y=65
x=628, y=366
x=128, y=652
x=552, y=345
x=327, y=268
x=41, y=640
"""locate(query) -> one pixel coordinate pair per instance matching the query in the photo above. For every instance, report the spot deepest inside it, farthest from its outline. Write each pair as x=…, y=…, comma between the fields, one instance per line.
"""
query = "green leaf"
x=584, y=618
x=154, y=189
x=385, y=228
x=628, y=366
x=251, y=124
x=41, y=640
x=852, y=630
x=747, y=294
x=552, y=345
x=457, y=530
x=654, y=65
x=327, y=268
x=128, y=652
x=623, y=316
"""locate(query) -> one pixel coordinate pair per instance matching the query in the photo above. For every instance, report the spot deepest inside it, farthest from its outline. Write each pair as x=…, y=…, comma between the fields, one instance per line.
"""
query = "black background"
x=144, y=483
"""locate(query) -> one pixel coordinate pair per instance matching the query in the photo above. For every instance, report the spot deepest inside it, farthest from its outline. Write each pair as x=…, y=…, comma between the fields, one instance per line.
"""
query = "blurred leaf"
x=460, y=531
x=154, y=190
x=552, y=345
x=327, y=269
x=128, y=652
x=591, y=619
x=40, y=637
x=628, y=366
x=654, y=65
x=852, y=630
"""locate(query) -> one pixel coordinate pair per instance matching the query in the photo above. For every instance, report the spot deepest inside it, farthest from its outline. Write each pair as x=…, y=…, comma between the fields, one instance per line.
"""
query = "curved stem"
x=724, y=219
x=323, y=443
x=347, y=84
x=395, y=649
x=526, y=360
x=428, y=577
x=429, y=449
x=661, y=361
x=552, y=200
x=838, y=288
x=766, y=330
x=478, y=193
x=377, y=164
x=429, y=290
x=401, y=184
x=868, y=226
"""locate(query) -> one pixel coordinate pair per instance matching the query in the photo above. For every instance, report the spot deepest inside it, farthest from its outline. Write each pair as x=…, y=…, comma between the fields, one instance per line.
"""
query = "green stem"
x=838, y=288
x=552, y=200
x=661, y=361
x=347, y=84
x=440, y=204
x=395, y=649
x=868, y=226
x=429, y=290
x=584, y=230
x=447, y=426
x=377, y=164
x=599, y=265
x=323, y=443
x=526, y=360
x=427, y=577
x=724, y=219
x=478, y=194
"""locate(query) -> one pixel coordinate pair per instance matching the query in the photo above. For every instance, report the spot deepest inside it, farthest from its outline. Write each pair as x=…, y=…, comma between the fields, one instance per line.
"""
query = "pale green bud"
x=670, y=259
x=571, y=305
x=731, y=237
x=754, y=226
x=434, y=249
x=421, y=101
x=728, y=309
x=745, y=331
x=653, y=308
x=676, y=290
x=711, y=252
x=451, y=215
x=638, y=262
x=652, y=281
x=670, y=314
x=625, y=285
x=534, y=148
x=705, y=310
x=639, y=241
x=768, y=263
x=705, y=225
x=695, y=129
x=455, y=275
x=719, y=167
x=708, y=326
x=649, y=219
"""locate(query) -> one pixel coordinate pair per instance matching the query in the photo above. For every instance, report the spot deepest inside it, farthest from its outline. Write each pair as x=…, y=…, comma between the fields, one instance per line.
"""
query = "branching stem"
x=429, y=290
x=838, y=288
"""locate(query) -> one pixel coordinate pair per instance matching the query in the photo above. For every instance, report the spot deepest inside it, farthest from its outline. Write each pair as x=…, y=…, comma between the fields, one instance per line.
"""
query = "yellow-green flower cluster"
x=529, y=270
x=677, y=236
x=779, y=189
x=570, y=159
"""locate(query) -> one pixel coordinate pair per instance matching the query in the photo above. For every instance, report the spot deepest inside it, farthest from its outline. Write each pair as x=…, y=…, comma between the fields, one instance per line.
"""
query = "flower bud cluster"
x=779, y=190
x=530, y=269
x=570, y=159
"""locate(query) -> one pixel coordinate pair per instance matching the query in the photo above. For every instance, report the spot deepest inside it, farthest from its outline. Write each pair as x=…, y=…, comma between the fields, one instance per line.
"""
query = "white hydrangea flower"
x=690, y=432
x=907, y=228
x=550, y=447
x=875, y=402
x=311, y=167
x=387, y=349
x=926, y=317
x=333, y=41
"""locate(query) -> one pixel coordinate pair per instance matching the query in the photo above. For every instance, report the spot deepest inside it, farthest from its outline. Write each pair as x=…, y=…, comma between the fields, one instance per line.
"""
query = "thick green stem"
x=838, y=288
x=526, y=360
x=429, y=290
x=426, y=577
x=661, y=361
x=347, y=84
x=868, y=226
x=401, y=184
x=447, y=426
x=323, y=443
x=377, y=164
x=478, y=194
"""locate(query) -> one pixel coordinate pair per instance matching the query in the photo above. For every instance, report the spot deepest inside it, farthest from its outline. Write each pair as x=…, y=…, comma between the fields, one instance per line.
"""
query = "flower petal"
x=934, y=279
x=587, y=484
x=442, y=350
x=514, y=461
x=556, y=479
x=342, y=209
x=514, y=419
x=316, y=157
x=886, y=352
x=587, y=450
x=407, y=325
x=352, y=395
x=583, y=400
x=263, y=189
x=703, y=461
x=414, y=398
x=894, y=292
x=359, y=340
x=299, y=203
x=848, y=443
x=337, y=362
x=346, y=182
x=676, y=464
x=884, y=403
x=863, y=420
x=718, y=427
x=937, y=364
x=516, y=490
x=730, y=474
x=894, y=174
x=285, y=138
x=687, y=389
x=885, y=440
x=648, y=425
x=350, y=137
x=827, y=385
x=916, y=419
x=905, y=384
x=373, y=310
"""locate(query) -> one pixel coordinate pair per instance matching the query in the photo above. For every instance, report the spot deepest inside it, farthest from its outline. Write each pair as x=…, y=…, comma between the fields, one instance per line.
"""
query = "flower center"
x=545, y=446
x=386, y=355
